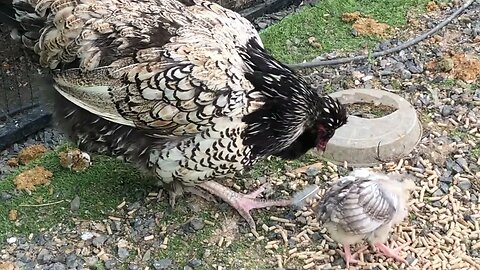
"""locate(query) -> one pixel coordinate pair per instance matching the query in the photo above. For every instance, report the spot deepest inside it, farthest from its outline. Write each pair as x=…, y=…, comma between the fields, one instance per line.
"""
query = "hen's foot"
x=243, y=203
x=392, y=253
x=349, y=258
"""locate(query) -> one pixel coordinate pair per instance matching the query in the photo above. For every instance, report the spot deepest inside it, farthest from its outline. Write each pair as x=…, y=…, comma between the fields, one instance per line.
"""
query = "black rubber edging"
x=23, y=125
x=268, y=6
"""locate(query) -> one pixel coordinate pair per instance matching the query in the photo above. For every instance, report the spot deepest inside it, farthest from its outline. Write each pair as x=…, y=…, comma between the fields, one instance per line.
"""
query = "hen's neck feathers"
x=290, y=106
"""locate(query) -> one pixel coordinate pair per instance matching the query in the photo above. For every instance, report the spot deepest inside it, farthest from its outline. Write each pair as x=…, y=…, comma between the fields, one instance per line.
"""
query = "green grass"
x=323, y=21
x=476, y=151
x=100, y=188
x=244, y=249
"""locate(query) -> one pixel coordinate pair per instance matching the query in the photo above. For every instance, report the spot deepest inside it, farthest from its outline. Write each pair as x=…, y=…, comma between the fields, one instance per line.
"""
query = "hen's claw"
x=243, y=203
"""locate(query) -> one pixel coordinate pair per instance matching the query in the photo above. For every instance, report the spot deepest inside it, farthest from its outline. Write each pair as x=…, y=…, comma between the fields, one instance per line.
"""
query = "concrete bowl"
x=365, y=142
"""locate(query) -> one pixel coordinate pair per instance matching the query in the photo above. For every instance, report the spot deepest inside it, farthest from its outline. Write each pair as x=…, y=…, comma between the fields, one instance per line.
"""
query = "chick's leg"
x=391, y=253
x=243, y=203
x=349, y=258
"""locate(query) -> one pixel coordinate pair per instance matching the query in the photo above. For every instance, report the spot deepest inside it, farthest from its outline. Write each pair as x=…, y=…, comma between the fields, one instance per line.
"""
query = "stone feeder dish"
x=366, y=142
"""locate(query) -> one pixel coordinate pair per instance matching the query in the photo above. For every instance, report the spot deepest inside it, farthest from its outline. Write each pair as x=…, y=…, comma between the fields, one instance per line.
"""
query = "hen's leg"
x=392, y=253
x=243, y=203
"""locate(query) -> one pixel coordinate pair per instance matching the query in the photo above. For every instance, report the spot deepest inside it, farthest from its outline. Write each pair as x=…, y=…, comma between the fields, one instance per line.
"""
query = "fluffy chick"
x=365, y=206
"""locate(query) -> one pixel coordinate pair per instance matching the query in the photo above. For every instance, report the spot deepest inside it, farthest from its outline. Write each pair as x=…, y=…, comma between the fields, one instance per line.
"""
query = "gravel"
x=445, y=206
x=162, y=264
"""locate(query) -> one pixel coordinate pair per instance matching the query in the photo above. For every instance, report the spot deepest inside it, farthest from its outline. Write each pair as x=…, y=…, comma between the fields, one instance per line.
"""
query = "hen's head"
x=331, y=115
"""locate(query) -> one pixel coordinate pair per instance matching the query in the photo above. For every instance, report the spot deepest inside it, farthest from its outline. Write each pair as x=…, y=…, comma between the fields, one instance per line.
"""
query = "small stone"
x=473, y=198
x=464, y=184
x=462, y=162
x=438, y=193
x=75, y=204
x=312, y=171
x=194, y=263
x=91, y=261
x=39, y=239
x=110, y=264
x=116, y=226
x=123, y=253
x=262, y=25
x=437, y=204
x=302, y=220
x=413, y=67
x=86, y=236
x=133, y=266
x=4, y=196
x=316, y=236
x=99, y=240
x=406, y=74
x=444, y=187
x=58, y=266
x=11, y=240
x=134, y=205
x=147, y=255
x=186, y=267
x=197, y=224
x=44, y=257
x=61, y=258
x=71, y=261
x=446, y=177
x=162, y=264
x=195, y=207
x=446, y=110
x=457, y=168
x=292, y=243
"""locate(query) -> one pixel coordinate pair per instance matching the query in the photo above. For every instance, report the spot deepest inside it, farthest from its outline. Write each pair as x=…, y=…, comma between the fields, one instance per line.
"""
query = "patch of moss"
x=288, y=40
x=100, y=188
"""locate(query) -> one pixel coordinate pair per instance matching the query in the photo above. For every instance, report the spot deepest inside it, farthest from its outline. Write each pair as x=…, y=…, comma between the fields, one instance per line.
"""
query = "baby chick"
x=365, y=206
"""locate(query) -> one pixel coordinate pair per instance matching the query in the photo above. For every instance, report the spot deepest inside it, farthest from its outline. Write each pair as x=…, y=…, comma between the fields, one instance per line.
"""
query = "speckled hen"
x=183, y=89
x=365, y=206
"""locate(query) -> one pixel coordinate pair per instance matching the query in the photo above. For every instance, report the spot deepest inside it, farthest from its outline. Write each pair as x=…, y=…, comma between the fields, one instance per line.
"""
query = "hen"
x=365, y=206
x=183, y=89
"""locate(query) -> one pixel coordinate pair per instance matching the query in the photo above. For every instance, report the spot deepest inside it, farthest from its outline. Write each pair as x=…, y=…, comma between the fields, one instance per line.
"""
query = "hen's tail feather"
x=7, y=13
x=21, y=15
x=94, y=134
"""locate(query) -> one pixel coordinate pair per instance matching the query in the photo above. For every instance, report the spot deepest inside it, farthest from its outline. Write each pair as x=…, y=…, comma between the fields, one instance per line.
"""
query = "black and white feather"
x=182, y=88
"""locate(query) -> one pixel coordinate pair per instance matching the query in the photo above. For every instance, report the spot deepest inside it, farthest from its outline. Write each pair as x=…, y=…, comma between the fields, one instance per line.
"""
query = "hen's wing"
x=359, y=206
x=173, y=66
